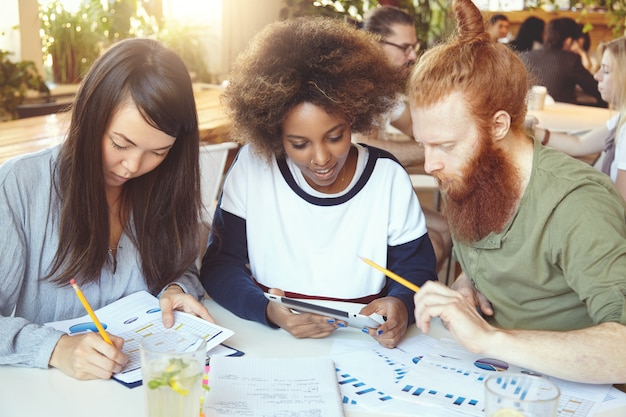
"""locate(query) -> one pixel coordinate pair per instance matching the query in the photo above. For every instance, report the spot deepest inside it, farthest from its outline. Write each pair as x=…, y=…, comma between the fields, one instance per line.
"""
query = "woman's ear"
x=501, y=125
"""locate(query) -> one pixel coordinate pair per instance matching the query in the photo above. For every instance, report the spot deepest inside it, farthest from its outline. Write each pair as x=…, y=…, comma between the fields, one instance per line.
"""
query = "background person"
x=396, y=31
x=116, y=206
x=498, y=28
x=582, y=47
x=540, y=236
x=301, y=202
x=559, y=69
x=529, y=35
x=612, y=86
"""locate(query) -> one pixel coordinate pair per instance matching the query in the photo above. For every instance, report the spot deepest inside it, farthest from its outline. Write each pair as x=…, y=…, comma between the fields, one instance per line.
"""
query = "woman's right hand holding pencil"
x=88, y=356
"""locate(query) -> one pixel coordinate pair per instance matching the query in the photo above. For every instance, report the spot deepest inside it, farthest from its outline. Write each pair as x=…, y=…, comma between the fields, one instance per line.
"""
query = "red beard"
x=484, y=197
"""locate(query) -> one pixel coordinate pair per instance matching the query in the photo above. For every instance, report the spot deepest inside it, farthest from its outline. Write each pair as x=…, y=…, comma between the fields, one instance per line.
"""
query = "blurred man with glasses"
x=395, y=30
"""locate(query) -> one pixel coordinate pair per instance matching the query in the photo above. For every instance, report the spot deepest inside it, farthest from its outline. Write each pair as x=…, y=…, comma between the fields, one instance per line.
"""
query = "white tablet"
x=353, y=319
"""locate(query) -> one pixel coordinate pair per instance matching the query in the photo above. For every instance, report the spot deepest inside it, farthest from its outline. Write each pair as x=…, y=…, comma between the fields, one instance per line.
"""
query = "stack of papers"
x=428, y=377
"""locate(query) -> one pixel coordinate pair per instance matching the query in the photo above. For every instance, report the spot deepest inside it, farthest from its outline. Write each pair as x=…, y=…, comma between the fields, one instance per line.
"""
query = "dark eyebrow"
x=340, y=125
x=134, y=144
x=296, y=137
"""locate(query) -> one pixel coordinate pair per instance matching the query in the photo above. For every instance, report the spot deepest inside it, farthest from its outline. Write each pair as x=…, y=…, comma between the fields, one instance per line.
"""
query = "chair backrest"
x=426, y=183
x=212, y=164
x=40, y=109
x=423, y=182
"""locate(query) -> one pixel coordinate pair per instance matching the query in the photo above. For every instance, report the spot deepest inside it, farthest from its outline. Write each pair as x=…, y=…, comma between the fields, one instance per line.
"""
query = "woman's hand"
x=393, y=329
x=173, y=298
x=300, y=325
x=88, y=356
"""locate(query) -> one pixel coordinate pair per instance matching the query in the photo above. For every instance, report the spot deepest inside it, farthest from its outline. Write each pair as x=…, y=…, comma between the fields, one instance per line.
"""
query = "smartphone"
x=353, y=319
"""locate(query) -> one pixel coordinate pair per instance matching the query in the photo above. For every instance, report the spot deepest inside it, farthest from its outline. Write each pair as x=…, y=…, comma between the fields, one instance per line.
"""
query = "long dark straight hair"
x=164, y=204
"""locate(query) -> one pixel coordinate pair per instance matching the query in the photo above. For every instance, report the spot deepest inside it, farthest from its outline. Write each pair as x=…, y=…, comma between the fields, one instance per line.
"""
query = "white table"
x=50, y=393
x=571, y=118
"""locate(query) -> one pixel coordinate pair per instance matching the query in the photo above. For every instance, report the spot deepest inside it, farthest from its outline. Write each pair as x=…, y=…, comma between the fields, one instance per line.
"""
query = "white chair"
x=425, y=183
x=212, y=163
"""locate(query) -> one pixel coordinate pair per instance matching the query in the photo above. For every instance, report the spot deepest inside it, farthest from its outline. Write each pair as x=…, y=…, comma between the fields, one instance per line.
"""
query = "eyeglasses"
x=406, y=48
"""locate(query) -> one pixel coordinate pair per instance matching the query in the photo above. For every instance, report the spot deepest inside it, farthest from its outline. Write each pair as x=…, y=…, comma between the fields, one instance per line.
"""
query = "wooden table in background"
x=32, y=134
x=212, y=121
x=573, y=119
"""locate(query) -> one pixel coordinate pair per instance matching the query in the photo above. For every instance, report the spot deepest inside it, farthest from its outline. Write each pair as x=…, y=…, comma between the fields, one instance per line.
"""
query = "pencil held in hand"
x=392, y=275
x=90, y=311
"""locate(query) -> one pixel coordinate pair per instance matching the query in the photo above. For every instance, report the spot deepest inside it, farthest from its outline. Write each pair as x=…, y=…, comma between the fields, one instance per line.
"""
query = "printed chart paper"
x=454, y=377
x=135, y=317
x=433, y=378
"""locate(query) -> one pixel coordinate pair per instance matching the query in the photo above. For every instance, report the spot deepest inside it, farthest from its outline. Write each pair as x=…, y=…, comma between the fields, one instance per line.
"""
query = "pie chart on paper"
x=489, y=364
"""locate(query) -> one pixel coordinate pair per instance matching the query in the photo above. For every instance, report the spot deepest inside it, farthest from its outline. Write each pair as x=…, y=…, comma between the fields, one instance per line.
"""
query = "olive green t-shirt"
x=560, y=264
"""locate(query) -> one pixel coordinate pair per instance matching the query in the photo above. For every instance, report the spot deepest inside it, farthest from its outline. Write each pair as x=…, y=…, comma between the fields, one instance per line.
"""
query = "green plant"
x=188, y=41
x=332, y=8
x=16, y=78
x=431, y=16
x=73, y=40
x=616, y=12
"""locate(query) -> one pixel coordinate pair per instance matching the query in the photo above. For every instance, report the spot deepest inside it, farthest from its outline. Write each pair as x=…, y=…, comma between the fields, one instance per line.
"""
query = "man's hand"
x=457, y=312
x=465, y=286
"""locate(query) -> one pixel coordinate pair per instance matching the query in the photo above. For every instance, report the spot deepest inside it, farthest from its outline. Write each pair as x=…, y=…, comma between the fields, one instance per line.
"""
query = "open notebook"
x=136, y=316
x=296, y=387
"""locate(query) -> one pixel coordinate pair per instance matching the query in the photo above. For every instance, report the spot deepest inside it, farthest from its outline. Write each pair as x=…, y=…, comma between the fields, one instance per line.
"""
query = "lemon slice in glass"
x=508, y=412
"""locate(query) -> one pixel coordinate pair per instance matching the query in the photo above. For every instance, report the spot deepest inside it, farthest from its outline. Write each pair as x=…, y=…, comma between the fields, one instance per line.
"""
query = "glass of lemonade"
x=520, y=395
x=172, y=365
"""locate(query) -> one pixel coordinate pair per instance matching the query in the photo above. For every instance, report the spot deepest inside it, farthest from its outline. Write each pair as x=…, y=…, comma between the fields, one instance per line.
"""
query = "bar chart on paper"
x=137, y=316
x=454, y=378
x=454, y=387
x=184, y=324
x=462, y=389
x=356, y=390
x=443, y=375
x=369, y=386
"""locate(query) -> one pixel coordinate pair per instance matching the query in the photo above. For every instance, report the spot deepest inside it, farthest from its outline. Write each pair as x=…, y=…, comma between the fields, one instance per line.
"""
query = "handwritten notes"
x=302, y=387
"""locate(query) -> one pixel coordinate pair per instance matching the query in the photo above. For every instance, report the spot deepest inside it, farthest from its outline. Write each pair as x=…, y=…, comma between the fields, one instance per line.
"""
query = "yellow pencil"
x=90, y=311
x=392, y=275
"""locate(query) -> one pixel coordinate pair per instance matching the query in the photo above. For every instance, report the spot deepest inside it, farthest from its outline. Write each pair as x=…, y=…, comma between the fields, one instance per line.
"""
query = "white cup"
x=172, y=365
x=537, y=97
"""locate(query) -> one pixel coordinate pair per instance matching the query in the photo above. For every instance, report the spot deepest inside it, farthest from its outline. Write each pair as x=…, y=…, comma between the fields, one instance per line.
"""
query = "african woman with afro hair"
x=301, y=203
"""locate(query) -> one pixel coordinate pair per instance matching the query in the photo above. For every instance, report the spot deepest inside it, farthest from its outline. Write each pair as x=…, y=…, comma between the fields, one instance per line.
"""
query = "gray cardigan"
x=28, y=241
